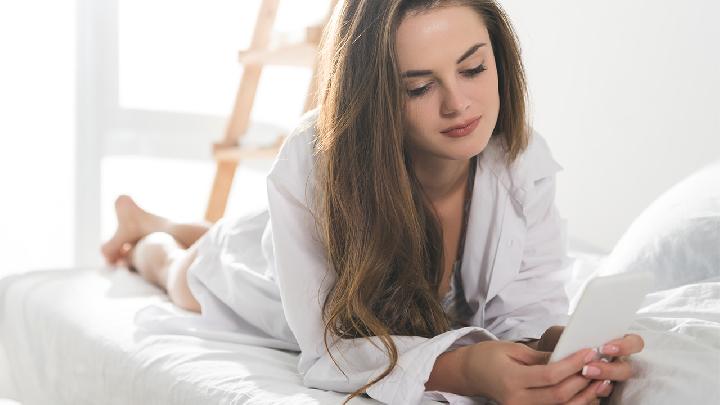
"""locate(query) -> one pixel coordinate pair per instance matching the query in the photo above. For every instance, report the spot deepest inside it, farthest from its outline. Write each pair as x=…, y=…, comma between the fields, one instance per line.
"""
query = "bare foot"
x=133, y=224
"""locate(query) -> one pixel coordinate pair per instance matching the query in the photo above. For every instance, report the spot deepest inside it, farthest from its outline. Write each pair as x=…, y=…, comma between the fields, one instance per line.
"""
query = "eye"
x=417, y=92
x=475, y=71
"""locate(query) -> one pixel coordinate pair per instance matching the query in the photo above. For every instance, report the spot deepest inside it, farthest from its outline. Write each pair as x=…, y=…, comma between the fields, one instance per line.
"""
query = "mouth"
x=461, y=129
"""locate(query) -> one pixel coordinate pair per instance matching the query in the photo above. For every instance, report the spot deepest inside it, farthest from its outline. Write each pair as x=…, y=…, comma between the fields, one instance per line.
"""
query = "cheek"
x=417, y=116
x=485, y=91
x=495, y=97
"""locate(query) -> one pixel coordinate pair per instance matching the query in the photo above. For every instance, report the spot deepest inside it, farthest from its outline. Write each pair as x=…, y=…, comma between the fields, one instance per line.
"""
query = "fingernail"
x=592, y=355
x=610, y=349
x=590, y=371
x=602, y=387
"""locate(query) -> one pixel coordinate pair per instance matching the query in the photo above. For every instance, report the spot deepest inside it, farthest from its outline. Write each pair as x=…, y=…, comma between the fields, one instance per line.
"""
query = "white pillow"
x=678, y=236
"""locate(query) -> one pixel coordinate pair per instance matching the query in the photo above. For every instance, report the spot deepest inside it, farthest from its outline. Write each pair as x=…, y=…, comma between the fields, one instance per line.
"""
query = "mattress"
x=71, y=337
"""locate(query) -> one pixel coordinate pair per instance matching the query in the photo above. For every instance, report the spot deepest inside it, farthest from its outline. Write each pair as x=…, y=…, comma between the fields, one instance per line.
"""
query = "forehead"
x=438, y=35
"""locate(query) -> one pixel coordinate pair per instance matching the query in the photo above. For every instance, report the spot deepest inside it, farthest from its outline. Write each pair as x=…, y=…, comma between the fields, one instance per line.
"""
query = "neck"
x=440, y=178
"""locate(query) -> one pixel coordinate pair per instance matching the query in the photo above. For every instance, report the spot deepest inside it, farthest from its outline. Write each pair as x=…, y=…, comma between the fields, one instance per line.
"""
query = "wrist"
x=464, y=366
x=450, y=373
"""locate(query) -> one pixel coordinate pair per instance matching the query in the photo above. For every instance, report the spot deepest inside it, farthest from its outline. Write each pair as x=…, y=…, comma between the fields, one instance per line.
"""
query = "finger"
x=587, y=395
x=605, y=389
x=615, y=371
x=625, y=346
x=551, y=374
x=559, y=393
x=528, y=355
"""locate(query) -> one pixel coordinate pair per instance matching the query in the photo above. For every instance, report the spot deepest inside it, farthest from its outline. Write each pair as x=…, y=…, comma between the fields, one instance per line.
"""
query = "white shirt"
x=513, y=270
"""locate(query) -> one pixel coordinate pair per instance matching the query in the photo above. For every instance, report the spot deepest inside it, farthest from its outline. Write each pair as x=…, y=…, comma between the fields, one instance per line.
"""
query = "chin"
x=480, y=144
x=462, y=150
x=473, y=147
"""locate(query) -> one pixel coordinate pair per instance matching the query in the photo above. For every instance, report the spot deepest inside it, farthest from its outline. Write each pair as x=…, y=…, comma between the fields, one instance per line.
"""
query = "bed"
x=70, y=337
x=73, y=337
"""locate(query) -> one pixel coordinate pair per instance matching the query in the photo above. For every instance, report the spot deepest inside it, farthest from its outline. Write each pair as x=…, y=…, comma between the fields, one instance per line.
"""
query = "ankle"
x=151, y=223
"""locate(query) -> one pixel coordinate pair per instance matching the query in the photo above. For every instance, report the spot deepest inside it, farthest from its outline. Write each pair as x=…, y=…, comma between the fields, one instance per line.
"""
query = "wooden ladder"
x=229, y=152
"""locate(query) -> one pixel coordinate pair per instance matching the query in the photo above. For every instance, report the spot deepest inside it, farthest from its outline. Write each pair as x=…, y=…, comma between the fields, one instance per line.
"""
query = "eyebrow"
x=467, y=54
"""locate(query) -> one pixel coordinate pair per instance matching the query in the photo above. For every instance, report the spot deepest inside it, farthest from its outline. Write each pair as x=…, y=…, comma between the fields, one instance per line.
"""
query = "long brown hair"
x=382, y=237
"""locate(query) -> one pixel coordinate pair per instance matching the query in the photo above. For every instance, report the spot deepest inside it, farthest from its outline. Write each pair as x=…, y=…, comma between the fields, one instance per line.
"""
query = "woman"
x=411, y=240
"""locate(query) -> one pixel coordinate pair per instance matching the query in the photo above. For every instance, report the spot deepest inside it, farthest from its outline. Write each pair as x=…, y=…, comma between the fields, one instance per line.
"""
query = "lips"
x=462, y=129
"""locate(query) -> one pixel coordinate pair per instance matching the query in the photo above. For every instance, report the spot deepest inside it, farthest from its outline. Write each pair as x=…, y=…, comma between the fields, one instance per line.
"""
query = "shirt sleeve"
x=536, y=298
x=304, y=281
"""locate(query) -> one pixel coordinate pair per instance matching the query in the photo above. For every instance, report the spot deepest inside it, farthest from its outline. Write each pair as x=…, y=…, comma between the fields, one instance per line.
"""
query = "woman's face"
x=448, y=71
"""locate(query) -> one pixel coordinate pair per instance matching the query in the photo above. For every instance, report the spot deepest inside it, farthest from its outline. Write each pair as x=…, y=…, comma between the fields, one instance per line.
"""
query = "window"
x=160, y=83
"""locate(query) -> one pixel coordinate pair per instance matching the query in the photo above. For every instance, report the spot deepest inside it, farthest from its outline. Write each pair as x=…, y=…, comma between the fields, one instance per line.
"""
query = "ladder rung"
x=242, y=153
x=239, y=152
x=302, y=54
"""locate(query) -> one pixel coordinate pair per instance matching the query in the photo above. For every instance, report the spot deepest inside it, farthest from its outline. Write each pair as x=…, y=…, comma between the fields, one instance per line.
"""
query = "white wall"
x=627, y=94
x=37, y=80
x=177, y=108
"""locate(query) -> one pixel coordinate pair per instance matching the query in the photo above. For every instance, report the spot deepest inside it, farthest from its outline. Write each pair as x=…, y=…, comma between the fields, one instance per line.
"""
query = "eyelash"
x=470, y=73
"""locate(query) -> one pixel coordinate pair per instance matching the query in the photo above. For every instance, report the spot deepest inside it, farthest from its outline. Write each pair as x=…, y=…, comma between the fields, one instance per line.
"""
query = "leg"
x=161, y=260
x=135, y=223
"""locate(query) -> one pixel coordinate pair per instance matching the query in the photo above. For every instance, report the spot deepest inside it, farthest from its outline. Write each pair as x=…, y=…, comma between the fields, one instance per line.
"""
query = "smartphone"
x=606, y=308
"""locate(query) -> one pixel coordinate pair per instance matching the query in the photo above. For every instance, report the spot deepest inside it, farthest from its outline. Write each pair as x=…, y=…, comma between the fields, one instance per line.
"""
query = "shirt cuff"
x=406, y=383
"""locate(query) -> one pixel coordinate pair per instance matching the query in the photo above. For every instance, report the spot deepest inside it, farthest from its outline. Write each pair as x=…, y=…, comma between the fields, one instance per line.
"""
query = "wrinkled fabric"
x=680, y=362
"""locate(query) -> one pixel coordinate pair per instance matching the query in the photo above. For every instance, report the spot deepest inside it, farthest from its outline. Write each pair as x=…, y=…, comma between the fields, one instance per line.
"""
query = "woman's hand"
x=620, y=369
x=513, y=373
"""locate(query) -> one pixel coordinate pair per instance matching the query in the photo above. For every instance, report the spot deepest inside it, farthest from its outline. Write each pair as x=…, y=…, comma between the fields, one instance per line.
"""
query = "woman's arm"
x=512, y=373
x=449, y=374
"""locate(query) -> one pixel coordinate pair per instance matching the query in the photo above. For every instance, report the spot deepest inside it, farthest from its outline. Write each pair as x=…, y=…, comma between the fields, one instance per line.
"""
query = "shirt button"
x=510, y=242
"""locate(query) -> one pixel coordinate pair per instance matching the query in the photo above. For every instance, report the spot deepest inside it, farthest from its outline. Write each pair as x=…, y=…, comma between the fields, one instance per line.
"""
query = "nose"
x=454, y=101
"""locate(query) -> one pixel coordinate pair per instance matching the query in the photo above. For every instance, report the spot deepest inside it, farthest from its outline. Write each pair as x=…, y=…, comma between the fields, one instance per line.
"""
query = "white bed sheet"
x=680, y=363
x=71, y=338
